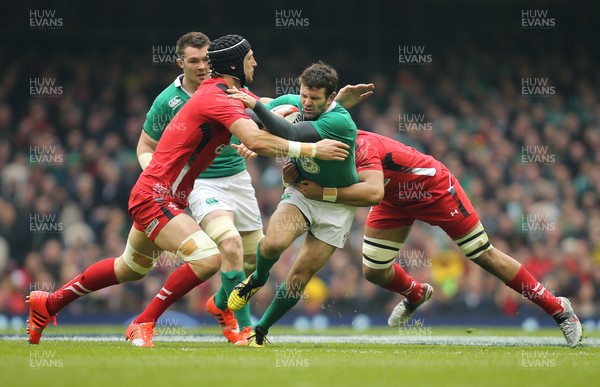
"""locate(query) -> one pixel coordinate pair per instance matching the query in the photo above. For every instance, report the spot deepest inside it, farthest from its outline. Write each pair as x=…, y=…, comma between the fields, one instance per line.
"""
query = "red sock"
x=98, y=276
x=403, y=284
x=178, y=284
x=530, y=288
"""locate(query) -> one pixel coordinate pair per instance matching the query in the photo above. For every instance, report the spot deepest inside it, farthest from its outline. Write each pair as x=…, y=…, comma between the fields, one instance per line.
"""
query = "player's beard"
x=313, y=115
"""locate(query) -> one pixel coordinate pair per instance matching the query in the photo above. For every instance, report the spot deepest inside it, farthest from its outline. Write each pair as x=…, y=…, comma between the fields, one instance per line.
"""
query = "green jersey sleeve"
x=156, y=121
x=163, y=109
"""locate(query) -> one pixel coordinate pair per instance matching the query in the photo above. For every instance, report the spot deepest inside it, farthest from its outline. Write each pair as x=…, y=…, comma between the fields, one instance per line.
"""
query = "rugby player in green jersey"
x=327, y=224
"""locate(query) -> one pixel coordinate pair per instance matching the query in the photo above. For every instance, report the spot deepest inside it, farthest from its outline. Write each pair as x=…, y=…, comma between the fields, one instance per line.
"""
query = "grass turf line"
x=66, y=363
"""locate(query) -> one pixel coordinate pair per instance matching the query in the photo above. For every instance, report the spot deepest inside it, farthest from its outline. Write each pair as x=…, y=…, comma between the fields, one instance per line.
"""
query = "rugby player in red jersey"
x=390, y=175
x=196, y=135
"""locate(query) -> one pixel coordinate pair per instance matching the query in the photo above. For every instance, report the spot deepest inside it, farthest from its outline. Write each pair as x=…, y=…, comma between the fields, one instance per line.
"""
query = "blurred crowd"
x=529, y=163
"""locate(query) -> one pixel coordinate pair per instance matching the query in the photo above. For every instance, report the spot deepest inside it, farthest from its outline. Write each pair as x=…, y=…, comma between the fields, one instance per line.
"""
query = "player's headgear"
x=226, y=55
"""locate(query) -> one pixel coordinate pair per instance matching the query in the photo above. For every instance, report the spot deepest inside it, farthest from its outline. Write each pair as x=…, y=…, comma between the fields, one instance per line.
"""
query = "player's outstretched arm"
x=274, y=123
x=367, y=192
x=351, y=95
x=267, y=144
x=145, y=148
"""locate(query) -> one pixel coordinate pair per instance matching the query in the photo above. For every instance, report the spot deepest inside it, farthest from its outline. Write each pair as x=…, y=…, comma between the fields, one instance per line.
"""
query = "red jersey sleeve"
x=367, y=156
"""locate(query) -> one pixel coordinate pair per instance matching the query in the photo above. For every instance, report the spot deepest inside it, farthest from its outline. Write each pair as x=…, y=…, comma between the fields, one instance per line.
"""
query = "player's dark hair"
x=191, y=39
x=320, y=75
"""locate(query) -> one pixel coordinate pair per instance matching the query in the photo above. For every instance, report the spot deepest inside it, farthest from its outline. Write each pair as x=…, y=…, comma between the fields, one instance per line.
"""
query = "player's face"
x=194, y=64
x=249, y=65
x=314, y=102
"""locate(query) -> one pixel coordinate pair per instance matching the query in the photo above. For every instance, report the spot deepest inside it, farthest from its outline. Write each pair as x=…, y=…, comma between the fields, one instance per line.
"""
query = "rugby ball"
x=293, y=117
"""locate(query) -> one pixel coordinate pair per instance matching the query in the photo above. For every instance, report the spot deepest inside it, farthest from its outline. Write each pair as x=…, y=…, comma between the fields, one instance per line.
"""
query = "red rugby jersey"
x=196, y=135
x=405, y=169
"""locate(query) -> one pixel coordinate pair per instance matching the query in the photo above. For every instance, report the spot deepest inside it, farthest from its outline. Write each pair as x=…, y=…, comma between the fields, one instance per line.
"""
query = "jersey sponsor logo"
x=211, y=201
x=151, y=227
x=286, y=196
x=309, y=165
x=455, y=212
x=174, y=102
x=221, y=148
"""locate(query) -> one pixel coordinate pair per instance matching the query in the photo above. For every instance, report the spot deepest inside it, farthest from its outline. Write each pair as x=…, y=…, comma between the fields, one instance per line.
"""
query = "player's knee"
x=133, y=265
x=271, y=248
x=198, y=246
x=378, y=256
x=475, y=243
x=231, y=249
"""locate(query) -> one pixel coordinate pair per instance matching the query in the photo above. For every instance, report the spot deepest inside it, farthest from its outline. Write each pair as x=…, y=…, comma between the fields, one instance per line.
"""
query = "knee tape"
x=250, y=241
x=221, y=228
x=197, y=246
x=140, y=263
x=379, y=253
x=475, y=243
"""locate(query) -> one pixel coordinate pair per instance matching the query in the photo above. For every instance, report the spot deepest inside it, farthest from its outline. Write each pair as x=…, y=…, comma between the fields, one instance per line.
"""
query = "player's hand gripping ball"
x=290, y=112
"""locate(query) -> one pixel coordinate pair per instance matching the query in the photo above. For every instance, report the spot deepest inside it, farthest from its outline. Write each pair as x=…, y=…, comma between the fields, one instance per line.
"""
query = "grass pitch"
x=98, y=356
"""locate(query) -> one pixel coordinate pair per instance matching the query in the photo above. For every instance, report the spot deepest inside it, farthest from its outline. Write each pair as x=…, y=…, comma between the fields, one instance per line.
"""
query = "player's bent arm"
x=367, y=192
x=145, y=148
x=267, y=144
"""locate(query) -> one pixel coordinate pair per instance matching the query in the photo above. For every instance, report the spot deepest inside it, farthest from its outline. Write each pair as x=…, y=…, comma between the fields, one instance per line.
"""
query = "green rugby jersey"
x=336, y=124
x=164, y=108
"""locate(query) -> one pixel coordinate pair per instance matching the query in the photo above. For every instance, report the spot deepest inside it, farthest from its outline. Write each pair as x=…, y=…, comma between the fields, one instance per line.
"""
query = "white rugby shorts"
x=232, y=193
x=329, y=222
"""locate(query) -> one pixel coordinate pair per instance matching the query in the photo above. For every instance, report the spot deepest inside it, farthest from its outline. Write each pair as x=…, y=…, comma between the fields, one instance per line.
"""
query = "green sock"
x=263, y=266
x=221, y=295
x=282, y=302
x=228, y=281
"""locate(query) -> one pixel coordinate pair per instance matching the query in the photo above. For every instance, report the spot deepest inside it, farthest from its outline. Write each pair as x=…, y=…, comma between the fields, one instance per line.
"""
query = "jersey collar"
x=331, y=107
x=179, y=83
